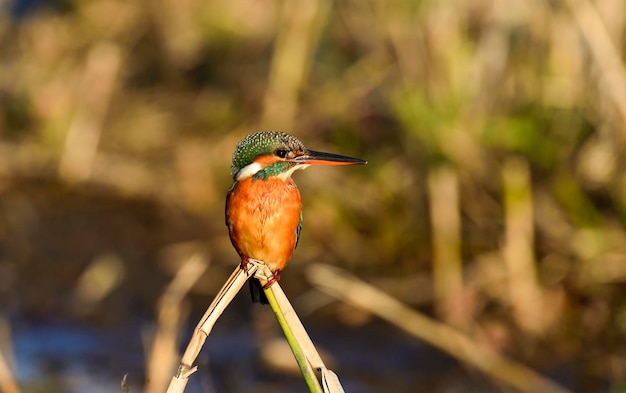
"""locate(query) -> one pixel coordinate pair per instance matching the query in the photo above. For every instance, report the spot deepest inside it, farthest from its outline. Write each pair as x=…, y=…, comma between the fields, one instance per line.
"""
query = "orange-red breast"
x=263, y=206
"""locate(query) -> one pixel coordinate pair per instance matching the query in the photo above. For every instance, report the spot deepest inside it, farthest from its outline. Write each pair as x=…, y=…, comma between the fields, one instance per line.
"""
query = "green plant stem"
x=305, y=367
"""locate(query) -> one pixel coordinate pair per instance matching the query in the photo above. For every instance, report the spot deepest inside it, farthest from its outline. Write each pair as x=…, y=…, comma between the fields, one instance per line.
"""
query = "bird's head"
x=266, y=154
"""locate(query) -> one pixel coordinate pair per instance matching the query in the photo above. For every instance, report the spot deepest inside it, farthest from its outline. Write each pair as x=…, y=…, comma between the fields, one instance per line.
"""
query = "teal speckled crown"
x=260, y=143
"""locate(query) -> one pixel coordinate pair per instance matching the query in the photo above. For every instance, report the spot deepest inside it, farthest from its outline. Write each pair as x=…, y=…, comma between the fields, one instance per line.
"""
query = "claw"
x=245, y=263
x=275, y=277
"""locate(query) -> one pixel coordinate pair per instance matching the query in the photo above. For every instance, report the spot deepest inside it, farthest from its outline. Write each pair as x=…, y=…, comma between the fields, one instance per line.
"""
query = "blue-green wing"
x=298, y=230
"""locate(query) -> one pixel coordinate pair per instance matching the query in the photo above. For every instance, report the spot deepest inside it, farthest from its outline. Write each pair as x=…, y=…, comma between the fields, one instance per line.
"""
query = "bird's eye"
x=282, y=153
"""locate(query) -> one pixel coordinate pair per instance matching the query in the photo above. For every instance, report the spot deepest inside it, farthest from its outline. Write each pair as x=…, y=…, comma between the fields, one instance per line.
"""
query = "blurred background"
x=494, y=199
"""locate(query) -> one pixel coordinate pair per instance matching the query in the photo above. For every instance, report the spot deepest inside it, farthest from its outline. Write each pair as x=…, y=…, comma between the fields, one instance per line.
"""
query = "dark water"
x=65, y=356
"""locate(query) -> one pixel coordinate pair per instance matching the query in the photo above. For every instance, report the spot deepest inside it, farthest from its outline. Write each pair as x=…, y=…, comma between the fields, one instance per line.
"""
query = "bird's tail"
x=256, y=292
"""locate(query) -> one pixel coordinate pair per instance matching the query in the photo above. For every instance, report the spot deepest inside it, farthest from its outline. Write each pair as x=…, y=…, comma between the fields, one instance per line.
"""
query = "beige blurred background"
x=494, y=199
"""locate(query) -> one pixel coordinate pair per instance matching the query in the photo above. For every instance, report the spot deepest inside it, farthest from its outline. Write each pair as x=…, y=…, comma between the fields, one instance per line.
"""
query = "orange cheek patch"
x=266, y=160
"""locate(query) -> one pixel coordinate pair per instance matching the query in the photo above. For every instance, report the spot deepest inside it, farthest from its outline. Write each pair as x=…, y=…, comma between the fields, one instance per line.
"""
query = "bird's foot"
x=275, y=277
x=245, y=264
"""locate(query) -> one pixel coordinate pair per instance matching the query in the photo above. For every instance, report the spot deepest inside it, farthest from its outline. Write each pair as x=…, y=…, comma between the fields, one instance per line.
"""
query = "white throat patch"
x=285, y=175
x=248, y=171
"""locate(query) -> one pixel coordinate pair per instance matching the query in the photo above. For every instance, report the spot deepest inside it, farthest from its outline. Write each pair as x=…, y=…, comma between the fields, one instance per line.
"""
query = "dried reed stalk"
x=446, y=229
x=163, y=352
x=605, y=52
x=525, y=294
x=349, y=289
x=96, y=91
x=8, y=383
x=303, y=349
x=298, y=36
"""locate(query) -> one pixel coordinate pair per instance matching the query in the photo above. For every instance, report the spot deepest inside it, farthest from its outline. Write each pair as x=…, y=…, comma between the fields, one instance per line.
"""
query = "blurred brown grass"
x=519, y=104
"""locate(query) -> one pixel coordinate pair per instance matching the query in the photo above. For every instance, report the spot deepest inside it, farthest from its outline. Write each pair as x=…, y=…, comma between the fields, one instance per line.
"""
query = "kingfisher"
x=263, y=206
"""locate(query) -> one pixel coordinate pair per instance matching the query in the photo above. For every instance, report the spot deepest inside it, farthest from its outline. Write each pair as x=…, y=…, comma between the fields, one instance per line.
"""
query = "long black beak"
x=312, y=157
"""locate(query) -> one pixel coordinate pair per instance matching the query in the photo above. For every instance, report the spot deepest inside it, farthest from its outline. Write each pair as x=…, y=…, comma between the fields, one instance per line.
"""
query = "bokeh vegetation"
x=494, y=197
